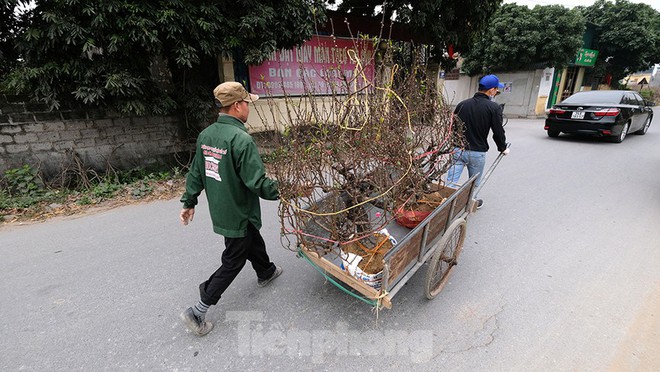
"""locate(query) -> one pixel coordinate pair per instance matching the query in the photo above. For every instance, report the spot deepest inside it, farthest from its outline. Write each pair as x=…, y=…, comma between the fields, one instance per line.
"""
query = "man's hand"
x=186, y=215
x=505, y=152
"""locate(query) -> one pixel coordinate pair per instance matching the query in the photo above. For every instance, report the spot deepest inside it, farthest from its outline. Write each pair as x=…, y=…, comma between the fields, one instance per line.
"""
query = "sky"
x=571, y=3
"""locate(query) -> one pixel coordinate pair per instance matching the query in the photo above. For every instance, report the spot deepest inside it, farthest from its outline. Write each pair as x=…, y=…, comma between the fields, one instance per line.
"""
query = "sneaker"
x=480, y=203
x=195, y=324
x=264, y=282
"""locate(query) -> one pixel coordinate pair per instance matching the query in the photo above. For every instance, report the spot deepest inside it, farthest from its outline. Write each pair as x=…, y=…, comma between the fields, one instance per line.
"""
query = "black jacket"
x=480, y=114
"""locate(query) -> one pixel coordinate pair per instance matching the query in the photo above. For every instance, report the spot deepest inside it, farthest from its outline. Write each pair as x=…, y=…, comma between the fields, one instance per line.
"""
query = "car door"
x=636, y=111
x=645, y=111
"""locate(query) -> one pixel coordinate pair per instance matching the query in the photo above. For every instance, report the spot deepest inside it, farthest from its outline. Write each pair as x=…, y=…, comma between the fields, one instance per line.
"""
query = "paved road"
x=560, y=271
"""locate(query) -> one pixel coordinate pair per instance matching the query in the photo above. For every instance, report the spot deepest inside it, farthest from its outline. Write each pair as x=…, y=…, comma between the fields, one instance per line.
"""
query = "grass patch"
x=25, y=197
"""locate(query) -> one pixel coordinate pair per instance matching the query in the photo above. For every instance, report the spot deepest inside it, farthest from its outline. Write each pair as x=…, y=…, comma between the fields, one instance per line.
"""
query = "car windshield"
x=598, y=96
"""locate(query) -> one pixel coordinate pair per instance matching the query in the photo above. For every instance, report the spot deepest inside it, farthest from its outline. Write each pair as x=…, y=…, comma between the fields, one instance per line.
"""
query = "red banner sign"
x=320, y=66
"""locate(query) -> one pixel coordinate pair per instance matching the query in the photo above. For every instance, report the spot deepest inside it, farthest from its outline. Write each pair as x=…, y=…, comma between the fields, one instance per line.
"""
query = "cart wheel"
x=443, y=261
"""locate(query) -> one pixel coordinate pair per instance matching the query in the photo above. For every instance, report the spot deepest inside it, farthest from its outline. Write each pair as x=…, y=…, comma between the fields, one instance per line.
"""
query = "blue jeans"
x=475, y=162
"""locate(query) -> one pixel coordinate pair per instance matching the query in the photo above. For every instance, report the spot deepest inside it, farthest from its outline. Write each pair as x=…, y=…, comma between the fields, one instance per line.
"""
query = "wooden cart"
x=437, y=240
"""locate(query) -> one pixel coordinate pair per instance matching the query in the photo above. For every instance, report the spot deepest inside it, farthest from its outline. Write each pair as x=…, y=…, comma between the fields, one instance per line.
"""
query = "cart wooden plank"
x=462, y=203
x=400, y=261
x=340, y=274
x=437, y=225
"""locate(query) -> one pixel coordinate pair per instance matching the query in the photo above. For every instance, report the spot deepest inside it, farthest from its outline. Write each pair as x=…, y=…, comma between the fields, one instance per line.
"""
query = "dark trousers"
x=237, y=251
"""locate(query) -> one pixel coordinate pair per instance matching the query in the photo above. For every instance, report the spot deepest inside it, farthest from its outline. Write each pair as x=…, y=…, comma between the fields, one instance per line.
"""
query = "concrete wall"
x=273, y=114
x=457, y=90
x=520, y=94
x=47, y=140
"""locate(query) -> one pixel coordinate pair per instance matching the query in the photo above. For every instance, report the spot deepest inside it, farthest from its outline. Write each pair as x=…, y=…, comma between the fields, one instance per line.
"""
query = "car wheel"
x=553, y=133
x=646, y=126
x=622, y=135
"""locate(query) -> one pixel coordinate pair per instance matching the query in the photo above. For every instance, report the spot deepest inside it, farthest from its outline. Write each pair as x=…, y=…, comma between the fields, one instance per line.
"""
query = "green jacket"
x=228, y=166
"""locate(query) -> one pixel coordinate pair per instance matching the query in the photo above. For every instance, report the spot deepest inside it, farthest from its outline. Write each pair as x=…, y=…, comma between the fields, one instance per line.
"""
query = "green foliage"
x=628, y=33
x=22, y=188
x=139, y=174
x=23, y=182
x=5, y=201
x=141, y=190
x=441, y=22
x=105, y=190
x=20, y=202
x=23, y=194
x=196, y=103
x=143, y=57
x=84, y=200
x=648, y=95
x=563, y=32
x=12, y=21
x=518, y=37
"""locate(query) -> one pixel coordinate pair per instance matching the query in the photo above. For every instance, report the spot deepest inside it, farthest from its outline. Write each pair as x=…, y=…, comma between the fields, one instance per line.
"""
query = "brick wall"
x=31, y=134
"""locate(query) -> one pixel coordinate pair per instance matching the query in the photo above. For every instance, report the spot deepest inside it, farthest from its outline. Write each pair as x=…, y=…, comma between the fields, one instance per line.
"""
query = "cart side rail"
x=411, y=252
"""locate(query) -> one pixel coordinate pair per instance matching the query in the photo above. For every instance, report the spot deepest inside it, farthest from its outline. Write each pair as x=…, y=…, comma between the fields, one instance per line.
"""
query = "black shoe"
x=264, y=282
x=195, y=324
x=480, y=203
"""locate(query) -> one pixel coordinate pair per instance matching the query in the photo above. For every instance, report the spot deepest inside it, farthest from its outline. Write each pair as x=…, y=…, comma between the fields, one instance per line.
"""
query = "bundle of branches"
x=348, y=159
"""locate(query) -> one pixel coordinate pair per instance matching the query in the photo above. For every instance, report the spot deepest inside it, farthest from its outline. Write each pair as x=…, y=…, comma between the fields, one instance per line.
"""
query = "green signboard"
x=586, y=57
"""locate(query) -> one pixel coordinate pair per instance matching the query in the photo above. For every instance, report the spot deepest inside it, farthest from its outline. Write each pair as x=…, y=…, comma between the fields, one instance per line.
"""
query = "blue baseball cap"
x=490, y=82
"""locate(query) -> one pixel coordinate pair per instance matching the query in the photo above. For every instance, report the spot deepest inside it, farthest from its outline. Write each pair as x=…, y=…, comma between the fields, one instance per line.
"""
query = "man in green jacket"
x=228, y=166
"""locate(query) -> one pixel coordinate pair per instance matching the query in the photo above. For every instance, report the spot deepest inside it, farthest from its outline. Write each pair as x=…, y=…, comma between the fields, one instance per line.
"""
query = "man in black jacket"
x=480, y=114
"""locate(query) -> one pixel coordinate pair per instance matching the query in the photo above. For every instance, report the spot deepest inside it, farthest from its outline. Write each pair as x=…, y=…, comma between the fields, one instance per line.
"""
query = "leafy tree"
x=12, y=22
x=120, y=53
x=518, y=37
x=562, y=36
x=628, y=36
x=441, y=22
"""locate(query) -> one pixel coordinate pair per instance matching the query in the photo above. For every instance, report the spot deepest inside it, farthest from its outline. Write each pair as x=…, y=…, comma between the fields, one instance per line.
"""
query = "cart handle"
x=489, y=172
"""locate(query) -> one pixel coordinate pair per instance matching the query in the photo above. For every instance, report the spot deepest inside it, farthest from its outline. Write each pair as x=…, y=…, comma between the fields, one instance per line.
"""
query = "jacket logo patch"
x=212, y=158
x=211, y=165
